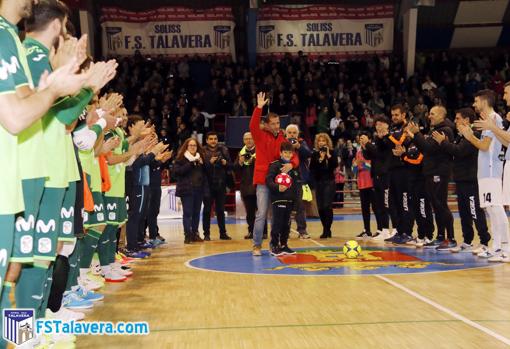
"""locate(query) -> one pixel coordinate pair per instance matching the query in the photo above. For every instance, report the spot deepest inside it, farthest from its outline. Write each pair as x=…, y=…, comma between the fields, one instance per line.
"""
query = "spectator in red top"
x=268, y=137
x=362, y=169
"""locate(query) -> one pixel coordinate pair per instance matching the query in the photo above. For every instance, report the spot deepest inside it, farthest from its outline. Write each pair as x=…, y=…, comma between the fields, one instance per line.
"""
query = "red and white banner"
x=325, y=30
x=169, y=31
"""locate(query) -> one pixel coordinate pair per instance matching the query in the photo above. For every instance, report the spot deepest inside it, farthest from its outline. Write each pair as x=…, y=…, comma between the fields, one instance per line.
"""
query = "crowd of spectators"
x=183, y=97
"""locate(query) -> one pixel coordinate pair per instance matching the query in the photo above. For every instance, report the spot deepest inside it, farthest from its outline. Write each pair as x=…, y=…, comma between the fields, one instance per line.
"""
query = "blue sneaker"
x=392, y=239
x=145, y=245
x=72, y=300
x=88, y=295
x=401, y=239
x=135, y=254
x=433, y=244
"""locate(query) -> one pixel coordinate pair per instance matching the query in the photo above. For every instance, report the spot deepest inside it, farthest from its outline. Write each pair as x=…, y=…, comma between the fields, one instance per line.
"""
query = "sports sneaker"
x=95, y=267
x=413, y=241
x=135, y=254
x=446, y=245
x=88, y=295
x=393, y=232
x=145, y=245
x=286, y=250
x=304, y=236
x=124, y=272
x=500, y=257
x=385, y=234
x=89, y=284
x=96, y=278
x=276, y=251
x=114, y=276
x=488, y=253
x=64, y=314
x=422, y=242
x=401, y=239
x=72, y=301
x=391, y=239
x=257, y=251
x=479, y=249
x=433, y=244
x=363, y=235
x=462, y=248
x=159, y=237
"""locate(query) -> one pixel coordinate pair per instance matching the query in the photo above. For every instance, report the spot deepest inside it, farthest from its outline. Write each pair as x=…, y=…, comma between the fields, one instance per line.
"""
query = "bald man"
x=436, y=169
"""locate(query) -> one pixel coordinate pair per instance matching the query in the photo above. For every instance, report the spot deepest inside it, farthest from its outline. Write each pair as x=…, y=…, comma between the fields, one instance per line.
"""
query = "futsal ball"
x=352, y=249
x=283, y=179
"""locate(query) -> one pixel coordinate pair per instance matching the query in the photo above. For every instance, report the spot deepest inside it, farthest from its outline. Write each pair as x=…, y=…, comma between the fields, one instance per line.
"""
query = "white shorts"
x=506, y=183
x=490, y=191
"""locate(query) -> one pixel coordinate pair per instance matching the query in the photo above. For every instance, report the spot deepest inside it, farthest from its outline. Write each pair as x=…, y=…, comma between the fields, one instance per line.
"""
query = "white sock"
x=83, y=272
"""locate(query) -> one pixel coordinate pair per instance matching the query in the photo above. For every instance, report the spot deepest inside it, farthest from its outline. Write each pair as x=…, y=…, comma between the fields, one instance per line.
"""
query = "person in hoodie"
x=436, y=168
x=282, y=197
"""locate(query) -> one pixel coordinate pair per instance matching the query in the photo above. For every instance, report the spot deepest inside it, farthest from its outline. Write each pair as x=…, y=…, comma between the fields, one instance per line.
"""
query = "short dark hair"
x=381, y=118
x=271, y=116
x=488, y=95
x=211, y=133
x=507, y=84
x=43, y=13
x=400, y=107
x=467, y=113
x=286, y=146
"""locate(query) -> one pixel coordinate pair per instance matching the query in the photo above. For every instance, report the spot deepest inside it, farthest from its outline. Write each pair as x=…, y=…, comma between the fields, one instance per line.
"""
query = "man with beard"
x=217, y=164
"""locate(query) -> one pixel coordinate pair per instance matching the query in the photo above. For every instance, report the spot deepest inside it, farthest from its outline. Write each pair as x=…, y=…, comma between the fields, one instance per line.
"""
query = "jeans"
x=191, y=205
x=263, y=202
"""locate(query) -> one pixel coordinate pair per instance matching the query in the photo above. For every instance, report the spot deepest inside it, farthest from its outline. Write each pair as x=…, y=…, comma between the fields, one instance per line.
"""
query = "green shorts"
x=6, y=242
x=66, y=230
x=48, y=223
x=22, y=251
x=116, y=211
x=98, y=216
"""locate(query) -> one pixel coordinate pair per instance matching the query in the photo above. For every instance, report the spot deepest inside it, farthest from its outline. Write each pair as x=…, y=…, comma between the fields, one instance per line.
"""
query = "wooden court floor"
x=189, y=308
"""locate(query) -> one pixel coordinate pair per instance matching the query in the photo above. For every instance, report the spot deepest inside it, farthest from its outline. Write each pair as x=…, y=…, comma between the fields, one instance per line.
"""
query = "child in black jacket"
x=282, y=200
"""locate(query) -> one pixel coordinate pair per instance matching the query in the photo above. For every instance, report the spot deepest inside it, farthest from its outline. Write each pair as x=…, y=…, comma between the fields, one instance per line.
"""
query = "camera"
x=247, y=155
x=293, y=140
x=323, y=149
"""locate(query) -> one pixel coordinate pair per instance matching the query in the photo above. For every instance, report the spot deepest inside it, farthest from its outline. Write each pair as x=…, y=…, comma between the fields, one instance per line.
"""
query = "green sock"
x=30, y=286
x=41, y=311
x=89, y=246
x=5, y=303
x=74, y=265
x=103, y=246
x=111, y=230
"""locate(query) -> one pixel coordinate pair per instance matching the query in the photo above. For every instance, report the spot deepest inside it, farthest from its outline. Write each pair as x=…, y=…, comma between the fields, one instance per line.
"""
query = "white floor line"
x=446, y=310
x=439, y=306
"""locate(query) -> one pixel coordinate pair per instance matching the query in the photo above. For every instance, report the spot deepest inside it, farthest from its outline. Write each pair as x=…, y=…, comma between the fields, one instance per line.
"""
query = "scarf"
x=190, y=157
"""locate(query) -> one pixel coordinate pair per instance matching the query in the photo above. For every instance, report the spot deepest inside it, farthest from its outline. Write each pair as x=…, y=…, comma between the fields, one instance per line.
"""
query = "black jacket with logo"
x=435, y=161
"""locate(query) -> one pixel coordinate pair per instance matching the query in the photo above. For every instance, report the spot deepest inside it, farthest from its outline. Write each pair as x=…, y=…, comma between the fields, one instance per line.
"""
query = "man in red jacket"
x=267, y=144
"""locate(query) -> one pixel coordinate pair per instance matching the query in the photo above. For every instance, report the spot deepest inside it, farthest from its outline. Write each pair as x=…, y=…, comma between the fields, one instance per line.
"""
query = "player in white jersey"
x=490, y=174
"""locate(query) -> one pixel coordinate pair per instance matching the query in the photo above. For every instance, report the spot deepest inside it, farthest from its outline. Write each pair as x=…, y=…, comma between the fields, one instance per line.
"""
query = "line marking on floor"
x=438, y=306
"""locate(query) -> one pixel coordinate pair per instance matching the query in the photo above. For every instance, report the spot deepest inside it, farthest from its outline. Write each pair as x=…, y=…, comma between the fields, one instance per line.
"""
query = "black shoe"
x=324, y=236
x=196, y=238
x=363, y=235
x=207, y=238
x=249, y=236
x=187, y=240
x=276, y=251
x=286, y=250
x=225, y=237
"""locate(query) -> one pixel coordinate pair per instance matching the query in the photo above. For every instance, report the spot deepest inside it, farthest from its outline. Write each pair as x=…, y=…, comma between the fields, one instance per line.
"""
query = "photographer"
x=304, y=153
x=217, y=164
x=245, y=165
x=322, y=167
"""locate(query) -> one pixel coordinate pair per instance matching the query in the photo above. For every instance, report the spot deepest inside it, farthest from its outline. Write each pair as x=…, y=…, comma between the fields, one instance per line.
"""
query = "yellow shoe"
x=96, y=278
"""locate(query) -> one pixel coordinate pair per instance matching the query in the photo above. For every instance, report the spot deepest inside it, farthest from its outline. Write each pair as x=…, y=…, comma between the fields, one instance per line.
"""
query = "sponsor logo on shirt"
x=7, y=68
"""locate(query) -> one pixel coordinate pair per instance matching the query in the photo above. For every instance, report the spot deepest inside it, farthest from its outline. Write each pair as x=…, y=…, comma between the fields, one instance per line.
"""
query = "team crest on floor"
x=332, y=261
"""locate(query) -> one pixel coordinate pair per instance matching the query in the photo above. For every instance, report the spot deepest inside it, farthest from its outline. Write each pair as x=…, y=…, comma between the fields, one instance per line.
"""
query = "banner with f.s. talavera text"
x=169, y=31
x=325, y=30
